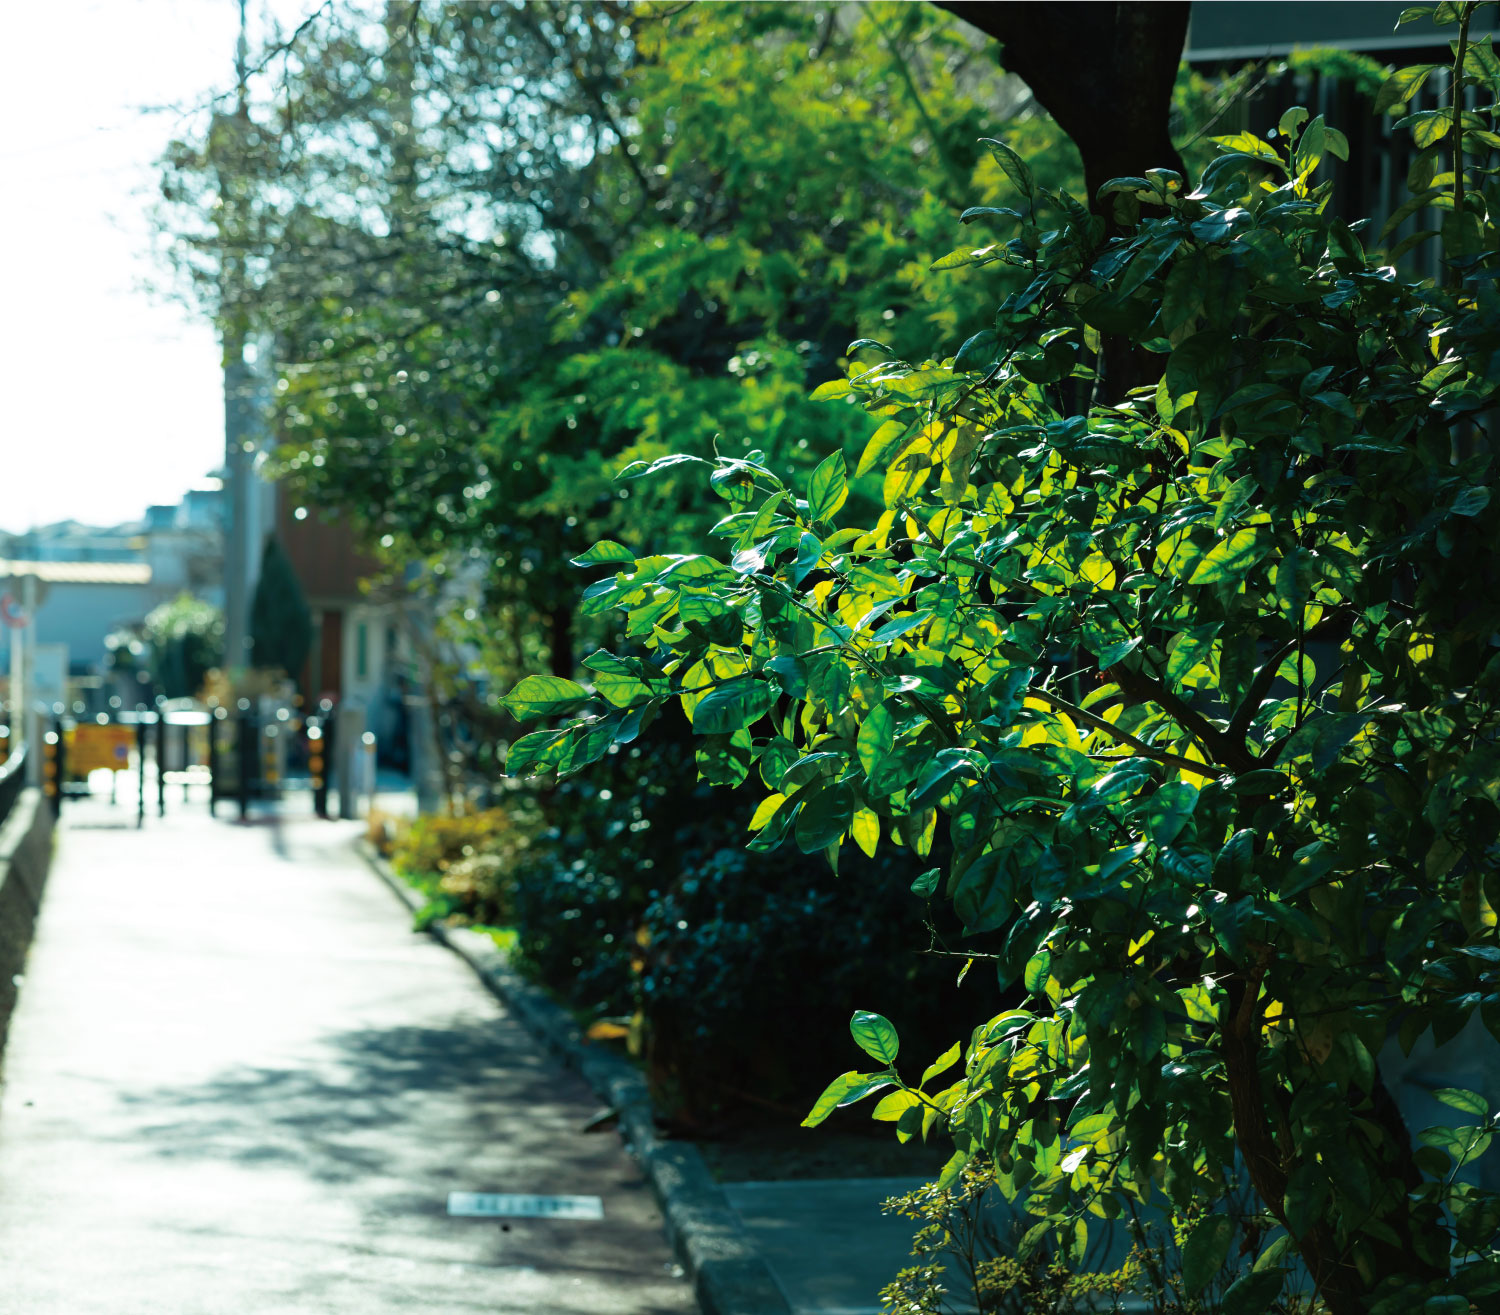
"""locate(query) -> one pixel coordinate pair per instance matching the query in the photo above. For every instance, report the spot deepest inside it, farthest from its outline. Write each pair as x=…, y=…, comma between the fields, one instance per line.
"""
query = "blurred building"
x=92, y=581
x=362, y=656
x=1231, y=31
x=1292, y=48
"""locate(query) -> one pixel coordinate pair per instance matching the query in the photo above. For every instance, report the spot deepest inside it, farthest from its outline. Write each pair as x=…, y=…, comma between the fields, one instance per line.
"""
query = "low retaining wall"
x=25, y=859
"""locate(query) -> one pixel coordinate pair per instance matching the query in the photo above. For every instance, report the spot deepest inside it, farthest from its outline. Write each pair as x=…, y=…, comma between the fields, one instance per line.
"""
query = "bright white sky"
x=112, y=398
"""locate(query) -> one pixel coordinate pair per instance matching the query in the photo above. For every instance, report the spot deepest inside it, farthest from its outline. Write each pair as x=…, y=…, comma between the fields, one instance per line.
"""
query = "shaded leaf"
x=1253, y=1293
x=732, y=706
x=1205, y=1251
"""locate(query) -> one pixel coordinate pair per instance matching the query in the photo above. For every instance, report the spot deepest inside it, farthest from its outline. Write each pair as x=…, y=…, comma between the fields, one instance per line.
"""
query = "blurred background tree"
x=280, y=622
x=186, y=639
x=499, y=260
x=499, y=251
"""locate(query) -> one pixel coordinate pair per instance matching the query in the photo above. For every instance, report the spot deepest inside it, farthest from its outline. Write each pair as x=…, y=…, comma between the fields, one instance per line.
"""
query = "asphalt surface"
x=237, y=1082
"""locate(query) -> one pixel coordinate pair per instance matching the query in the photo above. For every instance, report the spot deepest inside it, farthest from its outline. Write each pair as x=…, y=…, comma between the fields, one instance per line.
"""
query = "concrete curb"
x=25, y=861
x=729, y=1276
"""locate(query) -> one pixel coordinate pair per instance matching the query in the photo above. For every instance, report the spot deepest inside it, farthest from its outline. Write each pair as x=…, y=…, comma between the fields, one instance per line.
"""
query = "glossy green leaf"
x=1468, y=1101
x=941, y=1064
x=829, y=489
x=978, y=351
x=544, y=696
x=1471, y=501
x=833, y=389
x=1117, y=652
x=952, y=1169
x=843, y=1090
x=538, y=752
x=1169, y=809
x=825, y=817
x=893, y=1105
x=984, y=896
x=622, y=681
x=1231, y=559
x=876, y=737
x=925, y=884
x=875, y=1035
x=606, y=551
x=947, y=768
x=1014, y=166
x=1037, y=969
x=732, y=706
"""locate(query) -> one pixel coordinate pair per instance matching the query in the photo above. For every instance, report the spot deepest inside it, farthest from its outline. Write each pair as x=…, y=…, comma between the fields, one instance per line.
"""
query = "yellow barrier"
x=91, y=747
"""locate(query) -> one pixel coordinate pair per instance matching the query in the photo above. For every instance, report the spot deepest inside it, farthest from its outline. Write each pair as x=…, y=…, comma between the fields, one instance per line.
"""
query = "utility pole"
x=239, y=393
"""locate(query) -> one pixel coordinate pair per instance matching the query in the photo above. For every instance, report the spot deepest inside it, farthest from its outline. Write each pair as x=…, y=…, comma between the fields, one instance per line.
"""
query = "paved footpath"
x=237, y=1083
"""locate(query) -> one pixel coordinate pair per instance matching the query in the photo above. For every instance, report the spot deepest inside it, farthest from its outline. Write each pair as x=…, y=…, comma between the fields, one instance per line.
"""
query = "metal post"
x=161, y=759
x=61, y=759
x=317, y=766
x=241, y=431
x=350, y=758
x=215, y=715
x=331, y=754
x=245, y=747
x=140, y=753
x=368, y=740
x=48, y=747
x=187, y=755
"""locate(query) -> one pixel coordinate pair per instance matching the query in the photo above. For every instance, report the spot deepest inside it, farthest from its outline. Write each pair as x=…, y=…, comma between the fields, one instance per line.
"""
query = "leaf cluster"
x=1201, y=683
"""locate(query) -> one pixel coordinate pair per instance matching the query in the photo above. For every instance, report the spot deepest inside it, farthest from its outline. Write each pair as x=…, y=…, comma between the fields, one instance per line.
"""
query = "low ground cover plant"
x=465, y=863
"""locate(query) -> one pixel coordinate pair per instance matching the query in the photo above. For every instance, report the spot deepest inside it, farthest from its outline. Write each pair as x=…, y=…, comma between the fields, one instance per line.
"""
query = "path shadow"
x=398, y=1117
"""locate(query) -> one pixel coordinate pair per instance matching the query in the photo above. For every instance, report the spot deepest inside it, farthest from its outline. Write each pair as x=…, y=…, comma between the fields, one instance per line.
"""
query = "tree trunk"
x=1339, y=1282
x=1103, y=71
x=560, y=641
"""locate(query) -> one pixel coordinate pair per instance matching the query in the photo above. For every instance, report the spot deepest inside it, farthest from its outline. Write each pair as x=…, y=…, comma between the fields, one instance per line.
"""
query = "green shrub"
x=613, y=842
x=742, y=942
x=633, y=907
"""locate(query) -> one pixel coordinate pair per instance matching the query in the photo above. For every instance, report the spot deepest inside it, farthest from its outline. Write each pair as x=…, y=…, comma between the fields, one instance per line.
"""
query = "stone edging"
x=729, y=1276
x=25, y=860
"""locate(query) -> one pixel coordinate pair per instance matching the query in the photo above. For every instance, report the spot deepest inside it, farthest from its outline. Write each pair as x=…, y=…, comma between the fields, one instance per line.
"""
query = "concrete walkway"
x=830, y=1248
x=237, y=1083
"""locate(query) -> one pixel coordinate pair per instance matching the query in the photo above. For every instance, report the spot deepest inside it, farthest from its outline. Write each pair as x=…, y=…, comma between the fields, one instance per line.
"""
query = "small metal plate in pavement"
x=510, y=1205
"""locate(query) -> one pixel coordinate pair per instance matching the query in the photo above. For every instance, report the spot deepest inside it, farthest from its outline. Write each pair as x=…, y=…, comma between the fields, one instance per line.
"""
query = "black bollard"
x=215, y=715
x=140, y=754
x=161, y=761
x=61, y=761
x=245, y=745
x=317, y=765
